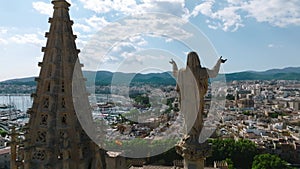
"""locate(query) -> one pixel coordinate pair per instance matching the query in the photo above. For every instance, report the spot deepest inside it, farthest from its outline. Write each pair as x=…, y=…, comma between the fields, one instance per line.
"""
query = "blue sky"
x=142, y=35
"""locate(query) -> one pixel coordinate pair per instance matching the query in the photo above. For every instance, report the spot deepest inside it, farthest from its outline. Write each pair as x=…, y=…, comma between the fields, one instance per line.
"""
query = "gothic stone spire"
x=55, y=139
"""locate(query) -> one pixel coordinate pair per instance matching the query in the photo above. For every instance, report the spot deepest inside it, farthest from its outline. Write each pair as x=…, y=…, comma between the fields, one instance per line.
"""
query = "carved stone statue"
x=192, y=85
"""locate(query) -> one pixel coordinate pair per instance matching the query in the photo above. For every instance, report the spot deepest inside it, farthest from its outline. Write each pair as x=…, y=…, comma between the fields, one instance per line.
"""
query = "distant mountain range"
x=106, y=78
x=165, y=78
x=289, y=73
x=20, y=81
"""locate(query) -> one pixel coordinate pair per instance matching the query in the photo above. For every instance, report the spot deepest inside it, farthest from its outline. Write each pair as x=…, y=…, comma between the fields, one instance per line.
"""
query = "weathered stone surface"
x=55, y=139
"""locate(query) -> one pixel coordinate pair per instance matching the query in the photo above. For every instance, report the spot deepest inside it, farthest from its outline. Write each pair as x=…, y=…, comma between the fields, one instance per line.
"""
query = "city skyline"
x=248, y=33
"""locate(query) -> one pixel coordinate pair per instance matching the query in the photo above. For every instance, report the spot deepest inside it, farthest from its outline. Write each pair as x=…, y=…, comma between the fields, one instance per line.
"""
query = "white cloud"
x=3, y=30
x=276, y=12
x=138, y=40
x=82, y=27
x=272, y=45
x=124, y=47
x=28, y=39
x=129, y=7
x=43, y=8
x=234, y=2
x=3, y=41
x=120, y=39
x=204, y=8
x=85, y=29
x=227, y=18
x=174, y=7
x=99, y=6
x=231, y=14
x=231, y=21
x=213, y=27
x=96, y=22
x=148, y=60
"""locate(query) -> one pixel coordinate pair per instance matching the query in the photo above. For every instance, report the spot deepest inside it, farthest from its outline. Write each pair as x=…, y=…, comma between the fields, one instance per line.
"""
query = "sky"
x=143, y=35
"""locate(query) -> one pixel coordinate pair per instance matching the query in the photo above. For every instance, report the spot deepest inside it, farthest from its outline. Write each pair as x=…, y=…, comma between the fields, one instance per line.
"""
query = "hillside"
x=20, y=81
x=106, y=78
x=165, y=78
x=289, y=73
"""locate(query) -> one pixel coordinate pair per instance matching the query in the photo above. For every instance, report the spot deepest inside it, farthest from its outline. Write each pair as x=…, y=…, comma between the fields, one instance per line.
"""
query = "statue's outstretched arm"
x=175, y=69
x=215, y=71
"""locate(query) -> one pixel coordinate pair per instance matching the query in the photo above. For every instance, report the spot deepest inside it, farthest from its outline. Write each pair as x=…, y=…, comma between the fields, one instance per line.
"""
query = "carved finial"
x=61, y=4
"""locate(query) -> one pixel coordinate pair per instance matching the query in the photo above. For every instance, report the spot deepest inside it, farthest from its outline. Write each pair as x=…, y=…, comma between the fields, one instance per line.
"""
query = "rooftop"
x=5, y=150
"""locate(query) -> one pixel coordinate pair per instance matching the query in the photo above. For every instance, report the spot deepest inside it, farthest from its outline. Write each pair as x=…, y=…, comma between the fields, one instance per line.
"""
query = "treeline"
x=243, y=154
x=239, y=154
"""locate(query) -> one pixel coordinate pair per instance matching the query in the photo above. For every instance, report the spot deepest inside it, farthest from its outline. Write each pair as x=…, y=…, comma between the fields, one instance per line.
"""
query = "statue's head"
x=193, y=60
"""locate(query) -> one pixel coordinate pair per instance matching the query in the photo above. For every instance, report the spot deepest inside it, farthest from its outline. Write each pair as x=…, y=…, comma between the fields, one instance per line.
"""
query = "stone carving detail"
x=46, y=103
x=39, y=155
x=62, y=86
x=44, y=118
x=63, y=135
x=48, y=87
x=63, y=103
x=41, y=137
x=64, y=119
x=80, y=153
x=50, y=71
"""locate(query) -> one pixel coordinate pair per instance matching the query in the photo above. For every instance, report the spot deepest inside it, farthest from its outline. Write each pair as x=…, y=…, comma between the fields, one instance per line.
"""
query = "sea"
x=19, y=101
x=24, y=101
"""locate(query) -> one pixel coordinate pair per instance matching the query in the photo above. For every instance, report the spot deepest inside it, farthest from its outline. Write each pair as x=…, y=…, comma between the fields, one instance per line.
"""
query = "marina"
x=13, y=109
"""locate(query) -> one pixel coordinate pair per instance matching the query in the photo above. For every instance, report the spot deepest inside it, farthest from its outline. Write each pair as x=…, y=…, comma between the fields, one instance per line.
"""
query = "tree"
x=241, y=152
x=229, y=163
x=267, y=161
x=230, y=97
x=142, y=99
x=3, y=133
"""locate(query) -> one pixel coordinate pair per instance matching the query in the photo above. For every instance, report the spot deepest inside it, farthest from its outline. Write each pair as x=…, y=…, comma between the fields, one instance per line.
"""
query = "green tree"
x=241, y=152
x=229, y=163
x=247, y=113
x=268, y=161
x=142, y=100
x=3, y=133
x=230, y=97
